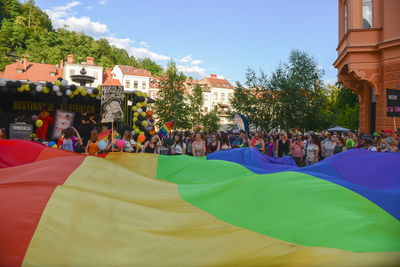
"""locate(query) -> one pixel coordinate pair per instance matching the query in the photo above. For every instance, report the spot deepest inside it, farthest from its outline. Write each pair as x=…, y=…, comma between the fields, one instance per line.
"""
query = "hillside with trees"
x=27, y=31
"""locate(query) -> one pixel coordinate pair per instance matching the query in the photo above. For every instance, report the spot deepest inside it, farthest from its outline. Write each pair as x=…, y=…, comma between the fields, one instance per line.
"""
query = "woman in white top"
x=312, y=150
x=328, y=147
x=179, y=147
x=198, y=146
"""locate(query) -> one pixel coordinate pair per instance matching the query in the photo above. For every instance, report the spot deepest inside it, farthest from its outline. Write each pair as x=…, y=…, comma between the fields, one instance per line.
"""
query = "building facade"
x=73, y=68
x=217, y=93
x=369, y=57
x=132, y=78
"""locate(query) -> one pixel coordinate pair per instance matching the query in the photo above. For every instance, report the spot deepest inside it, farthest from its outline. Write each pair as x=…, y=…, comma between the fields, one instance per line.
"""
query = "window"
x=135, y=84
x=52, y=74
x=142, y=71
x=154, y=95
x=127, y=84
x=126, y=70
x=216, y=96
x=230, y=95
x=134, y=71
x=219, y=84
x=222, y=96
x=367, y=14
x=20, y=71
x=144, y=85
x=226, y=85
x=345, y=17
x=71, y=72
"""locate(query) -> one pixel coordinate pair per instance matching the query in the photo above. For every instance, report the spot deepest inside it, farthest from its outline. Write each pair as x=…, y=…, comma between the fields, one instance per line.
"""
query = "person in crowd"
x=213, y=146
x=153, y=145
x=245, y=142
x=328, y=146
x=188, y=141
x=270, y=147
x=198, y=146
x=387, y=141
x=71, y=141
x=360, y=142
x=282, y=146
x=92, y=147
x=84, y=125
x=179, y=147
x=130, y=145
x=94, y=122
x=350, y=141
x=112, y=142
x=44, y=116
x=369, y=143
x=225, y=144
x=258, y=142
x=3, y=133
x=312, y=150
x=297, y=150
x=236, y=141
x=340, y=147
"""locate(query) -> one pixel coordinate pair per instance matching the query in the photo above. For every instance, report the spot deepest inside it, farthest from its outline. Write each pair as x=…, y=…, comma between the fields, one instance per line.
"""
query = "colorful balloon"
x=39, y=123
x=134, y=108
x=149, y=112
x=120, y=143
x=141, y=138
x=144, y=123
x=102, y=145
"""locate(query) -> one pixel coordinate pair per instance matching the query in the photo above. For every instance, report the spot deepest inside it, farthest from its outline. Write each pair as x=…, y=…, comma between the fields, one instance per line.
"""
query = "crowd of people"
x=306, y=149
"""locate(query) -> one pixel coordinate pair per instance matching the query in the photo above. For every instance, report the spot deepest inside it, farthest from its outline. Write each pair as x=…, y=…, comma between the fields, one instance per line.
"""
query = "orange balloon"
x=141, y=138
x=152, y=133
x=149, y=112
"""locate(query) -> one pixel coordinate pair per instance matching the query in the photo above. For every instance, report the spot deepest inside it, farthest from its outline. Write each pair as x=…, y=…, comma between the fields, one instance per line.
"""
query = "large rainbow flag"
x=232, y=208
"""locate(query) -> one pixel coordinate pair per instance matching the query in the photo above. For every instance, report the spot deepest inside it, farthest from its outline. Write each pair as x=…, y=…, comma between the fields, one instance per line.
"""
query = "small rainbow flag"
x=165, y=129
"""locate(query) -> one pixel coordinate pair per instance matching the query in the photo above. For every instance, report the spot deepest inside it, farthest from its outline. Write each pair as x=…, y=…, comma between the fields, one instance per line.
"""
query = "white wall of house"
x=91, y=70
x=207, y=102
x=221, y=95
x=131, y=82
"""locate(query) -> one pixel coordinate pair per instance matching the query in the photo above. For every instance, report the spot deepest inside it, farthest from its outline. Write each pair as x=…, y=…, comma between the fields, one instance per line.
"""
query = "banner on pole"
x=112, y=98
x=392, y=103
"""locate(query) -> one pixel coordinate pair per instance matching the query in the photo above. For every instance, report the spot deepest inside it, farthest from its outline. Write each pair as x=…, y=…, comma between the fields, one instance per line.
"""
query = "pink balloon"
x=120, y=143
x=198, y=126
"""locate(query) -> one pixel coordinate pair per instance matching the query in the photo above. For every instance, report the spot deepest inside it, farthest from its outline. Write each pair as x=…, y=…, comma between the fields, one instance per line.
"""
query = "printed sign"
x=112, y=98
x=20, y=130
x=63, y=120
x=392, y=103
x=241, y=123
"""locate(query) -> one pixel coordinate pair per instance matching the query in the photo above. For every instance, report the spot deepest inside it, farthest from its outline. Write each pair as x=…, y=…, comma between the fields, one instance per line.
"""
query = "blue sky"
x=203, y=37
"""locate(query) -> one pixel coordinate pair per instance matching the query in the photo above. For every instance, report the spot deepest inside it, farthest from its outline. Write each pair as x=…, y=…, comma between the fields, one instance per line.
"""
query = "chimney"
x=24, y=63
x=61, y=63
x=70, y=59
x=89, y=60
x=108, y=73
x=213, y=76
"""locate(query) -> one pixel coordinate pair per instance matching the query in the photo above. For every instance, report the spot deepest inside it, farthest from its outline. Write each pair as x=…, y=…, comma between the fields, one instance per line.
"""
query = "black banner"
x=393, y=103
x=112, y=98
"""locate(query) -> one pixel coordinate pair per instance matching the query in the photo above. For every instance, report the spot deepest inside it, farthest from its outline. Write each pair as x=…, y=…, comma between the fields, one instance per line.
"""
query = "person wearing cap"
x=369, y=143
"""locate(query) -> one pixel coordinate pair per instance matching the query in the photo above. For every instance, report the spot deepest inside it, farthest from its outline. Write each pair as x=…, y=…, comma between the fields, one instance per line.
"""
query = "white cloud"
x=103, y=2
x=196, y=62
x=89, y=7
x=331, y=81
x=144, y=44
x=143, y=52
x=194, y=71
x=185, y=59
x=67, y=7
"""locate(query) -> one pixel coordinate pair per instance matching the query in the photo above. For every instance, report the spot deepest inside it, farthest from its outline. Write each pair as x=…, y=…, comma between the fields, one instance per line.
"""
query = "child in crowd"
x=70, y=141
x=130, y=144
x=92, y=147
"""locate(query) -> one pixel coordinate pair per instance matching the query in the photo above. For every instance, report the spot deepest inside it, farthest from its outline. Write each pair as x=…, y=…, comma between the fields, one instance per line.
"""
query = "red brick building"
x=369, y=57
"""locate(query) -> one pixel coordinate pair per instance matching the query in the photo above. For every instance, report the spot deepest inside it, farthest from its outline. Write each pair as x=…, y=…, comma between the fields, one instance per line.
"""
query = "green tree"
x=210, y=121
x=196, y=101
x=171, y=104
x=148, y=64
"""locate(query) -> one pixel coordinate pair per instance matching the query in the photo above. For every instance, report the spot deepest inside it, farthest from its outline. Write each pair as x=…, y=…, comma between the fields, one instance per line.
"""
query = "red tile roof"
x=129, y=70
x=219, y=83
x=34, y=72
x=108, y=79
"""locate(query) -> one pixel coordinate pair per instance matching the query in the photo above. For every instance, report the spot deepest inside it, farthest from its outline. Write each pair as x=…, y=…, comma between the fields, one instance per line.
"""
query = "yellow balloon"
x=144, y=123
x=75, y=92
x=39, y=123
x=84, y=93
x=135, y=114
x=71, y=96
x=143, y=114
x=138, y=93
x=137, y=131
x=57, y=82
x=26, y=87
x=55, y=146
x=92, y=95
x=139, y=105
x=134, y=108
x=46, y=90
x=20, y=89
x=134, y=119
x=141, y=132
x=99, y=87
x=144, y=94
x=144, y=104
x=139, y=145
